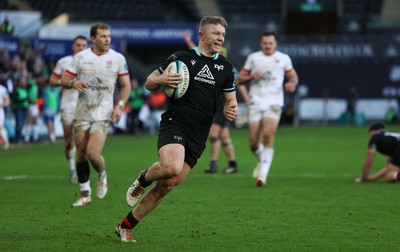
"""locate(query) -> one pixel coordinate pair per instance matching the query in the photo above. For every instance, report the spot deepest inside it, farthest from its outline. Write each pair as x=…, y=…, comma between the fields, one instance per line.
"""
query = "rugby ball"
x=178, y=67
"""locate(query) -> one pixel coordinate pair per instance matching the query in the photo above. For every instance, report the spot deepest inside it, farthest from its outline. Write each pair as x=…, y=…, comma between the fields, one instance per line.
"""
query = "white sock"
x=394, y=178
x=35, y=132
x=259, y=150
x=101, y=174
x=52, y=137
x=71, y=159
x=266, y=160
x=28, y=132
x=4, y=135
x=85, y=186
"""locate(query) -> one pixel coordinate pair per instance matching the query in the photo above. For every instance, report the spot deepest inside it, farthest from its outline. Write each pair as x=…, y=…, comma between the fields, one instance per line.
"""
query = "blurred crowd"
x=25, y=77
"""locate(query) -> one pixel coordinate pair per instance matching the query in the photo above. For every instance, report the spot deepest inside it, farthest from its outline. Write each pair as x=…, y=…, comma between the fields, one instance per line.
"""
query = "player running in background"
x=264, y=71
x=4, y=102
x=33, y=111
x=94, y=73
x=68, y=103
x=388, y=144
x=51, y=102
x=186, y=122
x=219, y=131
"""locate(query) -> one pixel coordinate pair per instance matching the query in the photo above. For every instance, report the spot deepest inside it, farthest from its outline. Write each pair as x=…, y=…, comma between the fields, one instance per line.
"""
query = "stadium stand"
x=255, y=11
x=119, y=10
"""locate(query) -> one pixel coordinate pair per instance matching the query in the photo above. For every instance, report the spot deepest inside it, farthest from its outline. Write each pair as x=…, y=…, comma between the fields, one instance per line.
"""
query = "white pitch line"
x=292, y=175
x=19, y=177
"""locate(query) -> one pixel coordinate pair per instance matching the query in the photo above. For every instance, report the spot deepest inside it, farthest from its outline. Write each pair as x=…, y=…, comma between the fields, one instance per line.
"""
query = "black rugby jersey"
x=385, y=142
x=209, y=77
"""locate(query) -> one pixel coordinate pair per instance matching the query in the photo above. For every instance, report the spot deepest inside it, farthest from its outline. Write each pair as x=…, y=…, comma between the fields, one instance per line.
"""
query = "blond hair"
x=213, y=20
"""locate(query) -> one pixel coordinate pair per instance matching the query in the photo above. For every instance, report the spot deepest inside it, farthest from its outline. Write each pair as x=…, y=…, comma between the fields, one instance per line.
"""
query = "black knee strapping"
x=83, y=171
x=213, y=139
x=226, y=144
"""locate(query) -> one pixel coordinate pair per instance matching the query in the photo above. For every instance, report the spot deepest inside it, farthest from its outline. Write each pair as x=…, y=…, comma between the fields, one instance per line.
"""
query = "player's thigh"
x=269, y=125
x=172, y=156
x=96, y=143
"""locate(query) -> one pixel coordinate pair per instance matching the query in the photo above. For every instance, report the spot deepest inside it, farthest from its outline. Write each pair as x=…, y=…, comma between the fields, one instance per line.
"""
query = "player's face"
x=79, y=45
x=268, y=44
x=102, y=41
x=213, y=37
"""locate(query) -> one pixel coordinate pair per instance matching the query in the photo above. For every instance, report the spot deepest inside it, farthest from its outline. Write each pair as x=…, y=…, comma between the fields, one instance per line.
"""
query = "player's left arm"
x=230, y=106
x=292, y=81
x=125, y=83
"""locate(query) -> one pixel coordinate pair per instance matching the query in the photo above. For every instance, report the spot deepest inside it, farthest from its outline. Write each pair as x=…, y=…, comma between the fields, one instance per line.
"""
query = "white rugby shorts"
x=257, y=113
x=99, y=126
x=33, y=110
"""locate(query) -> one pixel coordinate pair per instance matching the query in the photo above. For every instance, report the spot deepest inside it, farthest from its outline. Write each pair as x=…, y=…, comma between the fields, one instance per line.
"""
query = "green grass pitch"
x=309, y=204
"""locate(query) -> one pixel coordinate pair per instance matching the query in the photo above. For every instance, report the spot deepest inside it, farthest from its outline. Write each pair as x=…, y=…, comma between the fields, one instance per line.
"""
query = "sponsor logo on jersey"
x=205, y=76
x=219, y=67
x=193, y=62
x=96, y=84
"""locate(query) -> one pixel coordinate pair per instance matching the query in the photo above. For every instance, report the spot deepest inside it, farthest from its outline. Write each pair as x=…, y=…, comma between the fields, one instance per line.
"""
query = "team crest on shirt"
x=219, y=67
x=108, y=63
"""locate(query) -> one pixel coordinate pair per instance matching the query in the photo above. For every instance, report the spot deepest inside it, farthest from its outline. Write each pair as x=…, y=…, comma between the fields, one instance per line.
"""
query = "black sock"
x=83, y=171
x=213, y=163
x=129, y=221
x=232, y=164
x=142, y=180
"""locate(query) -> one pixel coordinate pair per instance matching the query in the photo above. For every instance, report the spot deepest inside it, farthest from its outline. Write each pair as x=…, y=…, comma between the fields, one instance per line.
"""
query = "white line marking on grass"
x=292, y=175
x=19, y=177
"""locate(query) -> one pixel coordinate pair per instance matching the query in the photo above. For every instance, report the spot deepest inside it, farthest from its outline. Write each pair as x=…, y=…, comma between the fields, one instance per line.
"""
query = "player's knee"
x=69, y=146
x=213, y=139
x=226, y=143
x=390, y=177
x=93, y=156
x=171, y=171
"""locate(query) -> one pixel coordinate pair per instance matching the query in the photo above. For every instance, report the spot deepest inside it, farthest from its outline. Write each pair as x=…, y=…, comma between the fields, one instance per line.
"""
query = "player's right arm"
x=155, y=80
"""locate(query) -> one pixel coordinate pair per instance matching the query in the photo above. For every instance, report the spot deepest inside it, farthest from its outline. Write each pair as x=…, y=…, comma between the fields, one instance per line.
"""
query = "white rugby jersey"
x=3, y=95
x=269, y=89
x=69, y=96
x=100, y=73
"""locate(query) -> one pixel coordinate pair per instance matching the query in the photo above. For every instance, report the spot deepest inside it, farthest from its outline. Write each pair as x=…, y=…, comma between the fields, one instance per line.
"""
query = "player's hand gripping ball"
x=180, y=68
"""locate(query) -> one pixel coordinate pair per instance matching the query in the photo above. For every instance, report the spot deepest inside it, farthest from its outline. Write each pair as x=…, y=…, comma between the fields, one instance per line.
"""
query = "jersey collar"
x=196, y=49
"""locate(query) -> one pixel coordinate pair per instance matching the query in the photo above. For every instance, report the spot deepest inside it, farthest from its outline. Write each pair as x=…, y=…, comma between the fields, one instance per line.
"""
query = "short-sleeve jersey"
x=3, y=95
x=269, y=89
x=385, y=142
x=100, y=73
x=69, y=96
x=209, y=77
